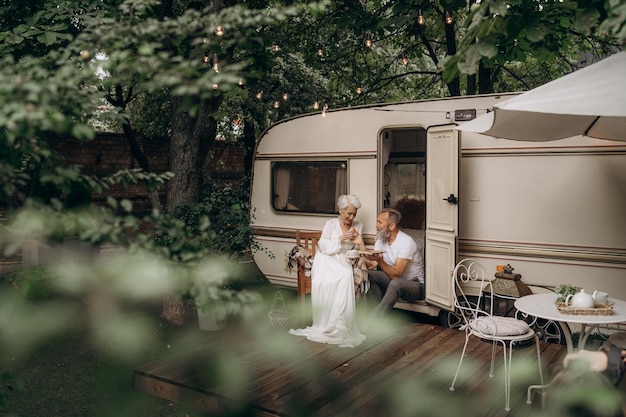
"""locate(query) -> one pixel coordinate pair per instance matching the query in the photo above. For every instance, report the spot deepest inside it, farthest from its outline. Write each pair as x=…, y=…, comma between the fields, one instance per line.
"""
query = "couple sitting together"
x=397, y=271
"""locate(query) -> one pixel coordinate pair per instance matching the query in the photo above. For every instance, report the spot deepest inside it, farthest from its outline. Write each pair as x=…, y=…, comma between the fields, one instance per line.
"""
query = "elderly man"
x=398, y=271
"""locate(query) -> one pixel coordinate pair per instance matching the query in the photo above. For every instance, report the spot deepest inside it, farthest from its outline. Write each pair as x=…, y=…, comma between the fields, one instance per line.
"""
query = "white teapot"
x=580, y=300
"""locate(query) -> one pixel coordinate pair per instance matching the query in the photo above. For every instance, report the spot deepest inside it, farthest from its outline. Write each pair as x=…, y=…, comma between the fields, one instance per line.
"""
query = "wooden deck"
x=407, y=373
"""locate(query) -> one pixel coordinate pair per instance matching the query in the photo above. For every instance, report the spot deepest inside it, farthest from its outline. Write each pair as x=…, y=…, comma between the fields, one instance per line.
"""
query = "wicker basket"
x=278, y=314
x=604, y=309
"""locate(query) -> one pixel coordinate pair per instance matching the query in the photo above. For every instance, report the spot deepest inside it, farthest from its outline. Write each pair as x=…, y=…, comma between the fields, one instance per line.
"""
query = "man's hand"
x=375, y=257
x=372, y=261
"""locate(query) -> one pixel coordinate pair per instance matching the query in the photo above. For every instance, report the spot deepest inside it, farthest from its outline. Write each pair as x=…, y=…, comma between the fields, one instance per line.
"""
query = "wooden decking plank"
x=410, y=368
x=315, y=359
x=277, y=383
x=365, y=386
x=518, y=389
x=180, y=373
x=360, y=371
x=365, y=375
x=317, y=389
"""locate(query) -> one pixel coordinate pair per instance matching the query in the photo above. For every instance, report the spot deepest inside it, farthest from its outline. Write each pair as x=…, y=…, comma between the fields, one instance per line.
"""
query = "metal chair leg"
x=458, y=368
x=541, y=386
x=493, y=358
x=507, y=375
x=529, y=394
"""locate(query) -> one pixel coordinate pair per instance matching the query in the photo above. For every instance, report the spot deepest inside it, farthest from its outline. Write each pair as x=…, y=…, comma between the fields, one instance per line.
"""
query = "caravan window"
x=308, y=186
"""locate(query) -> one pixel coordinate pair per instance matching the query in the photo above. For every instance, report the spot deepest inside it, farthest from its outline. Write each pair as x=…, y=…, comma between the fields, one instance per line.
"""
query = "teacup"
x=600, y=297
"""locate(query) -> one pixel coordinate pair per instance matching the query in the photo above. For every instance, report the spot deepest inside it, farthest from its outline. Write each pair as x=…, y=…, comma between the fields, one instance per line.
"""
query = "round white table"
x=542, y=306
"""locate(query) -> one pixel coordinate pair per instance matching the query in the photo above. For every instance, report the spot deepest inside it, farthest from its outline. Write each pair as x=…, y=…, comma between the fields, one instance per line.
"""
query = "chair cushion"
x=499, y=326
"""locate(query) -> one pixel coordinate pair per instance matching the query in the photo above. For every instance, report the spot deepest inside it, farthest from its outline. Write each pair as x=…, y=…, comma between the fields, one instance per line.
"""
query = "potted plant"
x=219, y=292
x=563, y=290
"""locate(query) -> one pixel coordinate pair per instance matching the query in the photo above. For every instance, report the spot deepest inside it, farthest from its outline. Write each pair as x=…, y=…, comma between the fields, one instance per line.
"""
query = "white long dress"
x=332, y=291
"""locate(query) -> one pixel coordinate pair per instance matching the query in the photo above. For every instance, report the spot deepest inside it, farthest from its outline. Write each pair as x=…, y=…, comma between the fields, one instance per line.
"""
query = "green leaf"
x=535, y=33
x=112, y=202
x=586, y=20
x=469, y=63
x=487, y=48
x=485, y=28
x=127, y=205
x=451, y=69
x=498, y=7
x=83, y=132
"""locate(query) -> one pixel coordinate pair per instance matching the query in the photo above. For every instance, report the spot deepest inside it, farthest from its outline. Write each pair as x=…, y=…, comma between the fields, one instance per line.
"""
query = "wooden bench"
x=308, y=240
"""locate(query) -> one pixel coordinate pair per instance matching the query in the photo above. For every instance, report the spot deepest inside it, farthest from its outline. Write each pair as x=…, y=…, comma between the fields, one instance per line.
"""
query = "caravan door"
x=442, y=214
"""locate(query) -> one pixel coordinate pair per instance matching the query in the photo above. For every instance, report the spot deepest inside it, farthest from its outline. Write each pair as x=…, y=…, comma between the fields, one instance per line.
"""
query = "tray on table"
x=603, y=309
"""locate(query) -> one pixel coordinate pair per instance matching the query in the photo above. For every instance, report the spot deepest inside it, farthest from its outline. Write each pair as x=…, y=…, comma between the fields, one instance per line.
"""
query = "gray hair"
x=394, y=215
x=345, y=201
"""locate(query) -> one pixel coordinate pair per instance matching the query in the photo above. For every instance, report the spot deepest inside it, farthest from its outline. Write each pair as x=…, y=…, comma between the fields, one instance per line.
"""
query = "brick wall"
x=109, y=153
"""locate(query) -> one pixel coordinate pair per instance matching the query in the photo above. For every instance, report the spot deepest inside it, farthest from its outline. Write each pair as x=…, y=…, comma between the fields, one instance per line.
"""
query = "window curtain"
x=282, y=177
x=386, y=149
x=341, y=184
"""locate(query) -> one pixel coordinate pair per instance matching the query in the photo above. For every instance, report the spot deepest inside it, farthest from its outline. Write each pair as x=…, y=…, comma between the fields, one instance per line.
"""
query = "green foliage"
x=156, y=257
x=132, y=176
x=33, y=283
x=223, y=215
x=499, y=32
x=615, y=21
x=563, y=290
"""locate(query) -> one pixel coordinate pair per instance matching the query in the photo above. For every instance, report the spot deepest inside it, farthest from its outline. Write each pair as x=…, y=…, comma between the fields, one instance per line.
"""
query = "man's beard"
x=383, y=234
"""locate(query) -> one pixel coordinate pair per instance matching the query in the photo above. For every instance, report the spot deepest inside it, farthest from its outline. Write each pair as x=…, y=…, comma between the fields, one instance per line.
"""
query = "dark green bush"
x=228, y=213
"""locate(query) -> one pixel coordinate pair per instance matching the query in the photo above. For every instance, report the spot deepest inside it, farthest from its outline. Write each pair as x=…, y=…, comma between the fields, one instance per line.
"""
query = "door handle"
x=452, y=199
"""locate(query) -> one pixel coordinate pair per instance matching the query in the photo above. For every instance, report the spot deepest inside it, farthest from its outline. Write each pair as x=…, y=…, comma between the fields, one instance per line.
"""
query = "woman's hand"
x=349, y=234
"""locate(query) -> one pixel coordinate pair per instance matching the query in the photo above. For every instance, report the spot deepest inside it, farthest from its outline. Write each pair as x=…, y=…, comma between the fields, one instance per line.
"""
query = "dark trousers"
x=387, y=291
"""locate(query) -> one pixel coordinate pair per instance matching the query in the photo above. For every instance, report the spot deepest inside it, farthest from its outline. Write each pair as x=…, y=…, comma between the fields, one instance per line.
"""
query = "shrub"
x=228, y=213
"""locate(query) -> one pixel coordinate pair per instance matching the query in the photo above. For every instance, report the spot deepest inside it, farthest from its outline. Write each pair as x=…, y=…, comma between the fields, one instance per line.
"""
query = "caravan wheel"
x=453, y=319
x=547, y=330
x=450, y=319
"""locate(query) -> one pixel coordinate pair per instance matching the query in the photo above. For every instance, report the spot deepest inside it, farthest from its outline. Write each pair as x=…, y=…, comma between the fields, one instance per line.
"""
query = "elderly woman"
x=332, y=281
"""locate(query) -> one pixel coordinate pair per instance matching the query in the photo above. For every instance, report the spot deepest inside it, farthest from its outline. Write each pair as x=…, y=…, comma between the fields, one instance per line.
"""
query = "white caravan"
x=554, y=211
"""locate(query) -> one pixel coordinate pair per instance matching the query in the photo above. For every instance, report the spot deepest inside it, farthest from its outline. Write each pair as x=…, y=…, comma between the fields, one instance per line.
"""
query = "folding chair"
x=469, y=278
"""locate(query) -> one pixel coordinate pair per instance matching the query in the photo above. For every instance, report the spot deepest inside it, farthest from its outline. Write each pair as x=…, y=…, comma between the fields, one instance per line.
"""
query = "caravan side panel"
x=554, y=211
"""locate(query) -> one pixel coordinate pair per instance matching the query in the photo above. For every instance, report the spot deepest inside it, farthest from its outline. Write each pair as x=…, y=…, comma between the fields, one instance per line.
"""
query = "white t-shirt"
x=403, y=247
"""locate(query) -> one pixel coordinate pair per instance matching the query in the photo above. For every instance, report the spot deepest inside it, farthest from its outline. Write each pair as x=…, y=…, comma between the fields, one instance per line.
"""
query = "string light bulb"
x=316, y=105
x=259, y=95
x=275, y=47
x=324, y=110
x=276, y=104
x=448, y=18
x=404, y=59
x=420, y=17
x=368, y=40
x=206, y=58
x=215, y=86
x=240, y=81
x=320, y=51
x=359, y=90
x=219, y=30
x=216, y=64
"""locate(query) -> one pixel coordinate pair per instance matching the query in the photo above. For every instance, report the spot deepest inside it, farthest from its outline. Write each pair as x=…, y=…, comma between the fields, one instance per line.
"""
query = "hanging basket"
x=278, y=314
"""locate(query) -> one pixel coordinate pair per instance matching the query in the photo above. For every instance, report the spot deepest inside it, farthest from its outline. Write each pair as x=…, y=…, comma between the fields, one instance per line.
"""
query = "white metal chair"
x=473, y=300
